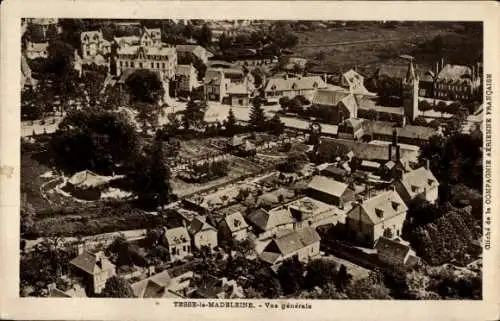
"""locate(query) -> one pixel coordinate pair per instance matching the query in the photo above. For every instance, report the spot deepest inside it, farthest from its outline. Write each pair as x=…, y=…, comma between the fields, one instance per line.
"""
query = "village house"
x=395, y=252
x=27, y=79
x=94, y=269
x=268, y=223
x=457, y=82
x=94, y=44
x=329, y=191
x=229, y=85
x=381, y=215
x=186, y=77
x=150, y=37
x=36, y=50
x=419, y=183
x=310, y=212
x=184, y=51
x=302, y=244
x=163, y=285
x=277, y=87
x=234, y=227
x=202, y=233
x=178, y=242
x=343, y=104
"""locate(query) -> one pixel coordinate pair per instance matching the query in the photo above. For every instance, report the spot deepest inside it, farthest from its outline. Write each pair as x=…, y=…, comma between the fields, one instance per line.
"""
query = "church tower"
x=410, y=93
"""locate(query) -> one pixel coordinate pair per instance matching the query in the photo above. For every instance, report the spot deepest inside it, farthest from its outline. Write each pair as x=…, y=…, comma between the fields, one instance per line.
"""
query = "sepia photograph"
x=251, y=159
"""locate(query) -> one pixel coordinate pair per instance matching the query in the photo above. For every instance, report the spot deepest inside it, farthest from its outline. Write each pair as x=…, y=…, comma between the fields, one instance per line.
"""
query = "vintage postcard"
x=250, y=160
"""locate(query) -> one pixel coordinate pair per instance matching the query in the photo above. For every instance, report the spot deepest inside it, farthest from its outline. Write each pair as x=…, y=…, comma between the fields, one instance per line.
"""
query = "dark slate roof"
x=394, y=248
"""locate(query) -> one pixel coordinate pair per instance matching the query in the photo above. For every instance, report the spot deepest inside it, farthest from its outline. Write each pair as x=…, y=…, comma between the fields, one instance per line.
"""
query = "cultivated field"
x=365, y=47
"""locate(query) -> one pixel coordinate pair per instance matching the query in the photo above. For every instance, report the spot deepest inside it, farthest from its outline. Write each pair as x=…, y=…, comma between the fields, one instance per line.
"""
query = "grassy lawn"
x=31, y=170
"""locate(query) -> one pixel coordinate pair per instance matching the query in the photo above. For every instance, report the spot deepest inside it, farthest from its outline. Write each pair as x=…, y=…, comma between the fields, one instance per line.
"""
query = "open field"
x=367, y=46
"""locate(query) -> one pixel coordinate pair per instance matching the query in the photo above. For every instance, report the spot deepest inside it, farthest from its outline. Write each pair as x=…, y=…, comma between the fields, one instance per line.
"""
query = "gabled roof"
x=381, y=207
x=454, y=72
x=289, y=244
x=392, y=247
x=298, y=83
x=152, y=287
x=329, y=97
x=235, y=222
x=268, y=220
x=408, y=131
x=334, y=170
x=92, y=263
x=327, y=185
x=417, y=180
x=93, y=36
x=178, y=235
x=199, y=225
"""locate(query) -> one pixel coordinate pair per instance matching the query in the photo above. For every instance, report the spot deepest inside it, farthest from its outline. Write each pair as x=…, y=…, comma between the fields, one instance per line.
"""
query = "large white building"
x=162, y=59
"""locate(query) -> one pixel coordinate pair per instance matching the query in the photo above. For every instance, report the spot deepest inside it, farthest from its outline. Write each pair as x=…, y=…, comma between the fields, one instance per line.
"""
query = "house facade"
x=230, y=85
x=93, y=44
x=381, y=215
x=157, y=59
x=94, y=268
x=235, y=227
x=277, y=87
x=186, y=77
x=202, y=234
x=178, y=242
x=457, y=82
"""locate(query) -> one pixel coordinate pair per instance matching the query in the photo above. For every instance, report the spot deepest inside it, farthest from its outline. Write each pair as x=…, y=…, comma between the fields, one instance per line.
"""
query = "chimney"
x=442, y=63
x=151, y=270
x=80, y=248
x=398, y=155
x=437, y=68
x=427, y=164
x=394, y=137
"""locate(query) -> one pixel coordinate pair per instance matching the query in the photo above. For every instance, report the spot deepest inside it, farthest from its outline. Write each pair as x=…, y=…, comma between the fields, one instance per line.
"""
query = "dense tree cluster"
x=145, y=86
x=95, y=140
x=117, y=287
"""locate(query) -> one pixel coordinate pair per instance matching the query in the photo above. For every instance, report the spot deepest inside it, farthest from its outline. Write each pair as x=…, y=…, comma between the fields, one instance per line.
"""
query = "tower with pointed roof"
x=410, y=93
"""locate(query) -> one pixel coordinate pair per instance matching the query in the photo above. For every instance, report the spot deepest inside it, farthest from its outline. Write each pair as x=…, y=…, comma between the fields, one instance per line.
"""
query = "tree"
x=424, y=106
x=258, y=75
x=148, y=114
x=230, y=123
x=319, y=273
x=295, y=106
x=294, y=162
x=94, y=140
x=284, y=102
x=290, y=273
x=204, y=35
x=145, y=86
x=117, y=287
x=151, y=175
x=188, y=31
x=27, y=216
x=368, y=288
x=276, y=126
x=225, y=42
x=194, y=114
x=420, y=121
x=257, y=117
x=371, y=114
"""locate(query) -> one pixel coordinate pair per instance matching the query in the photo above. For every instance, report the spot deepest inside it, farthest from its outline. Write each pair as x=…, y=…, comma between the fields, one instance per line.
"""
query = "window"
x=184, y=248
x=88, y=53
x=152, y=65
x=126, y=63
x=140, y=65
x=158, y=65
x=132, y=64
x=414, y=189
x=379, y=213
x=163, y=65
x=121, y=63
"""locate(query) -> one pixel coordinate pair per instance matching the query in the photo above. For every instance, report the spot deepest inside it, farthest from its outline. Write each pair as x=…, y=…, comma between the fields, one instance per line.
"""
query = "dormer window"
x=379, y=212
x=273, y=87
x=395, y=205
x=86, y=38
x=315, y=85
x=96, y=38
x=294, y=86
x=430, y=182
x=414, y=189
